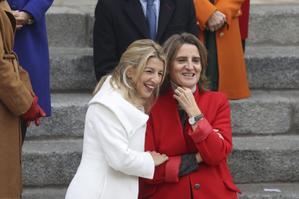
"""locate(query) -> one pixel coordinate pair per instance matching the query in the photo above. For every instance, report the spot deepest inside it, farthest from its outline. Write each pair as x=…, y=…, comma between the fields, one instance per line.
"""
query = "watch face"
x=193, y=120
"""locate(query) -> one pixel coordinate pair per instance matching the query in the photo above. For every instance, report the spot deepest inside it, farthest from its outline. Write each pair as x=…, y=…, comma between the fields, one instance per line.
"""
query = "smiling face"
x=150, y=78
x=186, y=67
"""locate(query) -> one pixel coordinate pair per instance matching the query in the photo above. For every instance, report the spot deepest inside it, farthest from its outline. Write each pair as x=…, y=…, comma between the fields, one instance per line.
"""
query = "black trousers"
x=212, y=69
x=23, y=130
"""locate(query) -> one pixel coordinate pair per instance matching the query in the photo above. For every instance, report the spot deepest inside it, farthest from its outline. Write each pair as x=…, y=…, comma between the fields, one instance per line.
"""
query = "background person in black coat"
x=120, y=22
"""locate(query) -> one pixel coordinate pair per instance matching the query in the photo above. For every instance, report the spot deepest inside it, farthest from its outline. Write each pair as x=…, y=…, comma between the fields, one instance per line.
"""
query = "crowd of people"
x=158, y=124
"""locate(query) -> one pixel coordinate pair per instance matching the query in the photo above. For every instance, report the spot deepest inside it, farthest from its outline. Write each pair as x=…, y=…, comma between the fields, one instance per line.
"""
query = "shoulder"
x=110, y=4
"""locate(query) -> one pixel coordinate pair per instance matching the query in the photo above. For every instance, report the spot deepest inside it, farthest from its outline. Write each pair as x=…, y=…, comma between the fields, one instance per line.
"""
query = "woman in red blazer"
x=192, y=126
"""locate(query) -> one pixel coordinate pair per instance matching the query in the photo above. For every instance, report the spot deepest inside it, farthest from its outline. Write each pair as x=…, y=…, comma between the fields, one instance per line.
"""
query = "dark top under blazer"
x=120, y=22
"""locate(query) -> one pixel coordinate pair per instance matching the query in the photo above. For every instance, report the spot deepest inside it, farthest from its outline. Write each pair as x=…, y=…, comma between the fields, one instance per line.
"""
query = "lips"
x=149, y=87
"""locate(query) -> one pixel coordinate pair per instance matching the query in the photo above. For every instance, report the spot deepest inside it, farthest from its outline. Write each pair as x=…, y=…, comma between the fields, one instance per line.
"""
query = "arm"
x=231, y=8
x=175, y=167
x=13, y=92
x=205, y=10
x=37, y=8
x=104, y=41
x=214, y=141
x=106, y=129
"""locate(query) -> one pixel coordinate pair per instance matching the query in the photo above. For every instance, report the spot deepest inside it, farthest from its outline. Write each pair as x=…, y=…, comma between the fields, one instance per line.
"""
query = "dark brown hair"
x=172, y=46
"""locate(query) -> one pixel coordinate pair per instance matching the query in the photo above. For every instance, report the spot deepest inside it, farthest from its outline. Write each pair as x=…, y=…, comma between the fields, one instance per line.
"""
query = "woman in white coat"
x=113, y=148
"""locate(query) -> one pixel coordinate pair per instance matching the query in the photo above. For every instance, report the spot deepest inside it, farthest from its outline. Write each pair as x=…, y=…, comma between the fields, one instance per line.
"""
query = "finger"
x=19, y=26
x=15, y=13
x=220, y=136
x=42, y=113
x=37, y=121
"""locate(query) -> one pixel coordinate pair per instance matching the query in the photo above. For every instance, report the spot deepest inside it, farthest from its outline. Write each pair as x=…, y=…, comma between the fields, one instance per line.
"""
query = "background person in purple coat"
x=31, y=46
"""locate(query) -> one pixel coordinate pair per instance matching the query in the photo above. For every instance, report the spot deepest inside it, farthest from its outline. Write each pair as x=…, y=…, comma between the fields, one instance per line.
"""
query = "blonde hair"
x=136, y=57
x=171, y=48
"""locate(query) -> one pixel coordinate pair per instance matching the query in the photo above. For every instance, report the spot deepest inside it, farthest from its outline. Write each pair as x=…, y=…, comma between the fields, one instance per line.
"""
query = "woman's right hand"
x=158, y=158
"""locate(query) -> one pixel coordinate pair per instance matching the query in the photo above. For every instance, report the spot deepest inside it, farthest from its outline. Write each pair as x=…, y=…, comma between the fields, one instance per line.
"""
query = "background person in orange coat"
x=219, y=25
x=244, y=22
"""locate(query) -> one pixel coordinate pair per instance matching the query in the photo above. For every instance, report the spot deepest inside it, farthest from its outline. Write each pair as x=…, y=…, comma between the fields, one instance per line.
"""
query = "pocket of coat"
x=231, y=186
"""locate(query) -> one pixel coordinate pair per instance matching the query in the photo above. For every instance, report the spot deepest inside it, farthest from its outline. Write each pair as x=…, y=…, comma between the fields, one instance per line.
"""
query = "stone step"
x=43, y=193
x=254, y=160
x=72, y=69
x=269, y=67
x=264, y=113
x=274, y=24
x=72, y=25
x=267, y=191
x=249, y=191
x=265, y=159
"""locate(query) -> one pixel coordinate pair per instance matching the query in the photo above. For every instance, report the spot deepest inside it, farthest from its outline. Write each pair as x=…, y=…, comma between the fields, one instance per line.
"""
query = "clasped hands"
x=21, y=18
x=216, y=21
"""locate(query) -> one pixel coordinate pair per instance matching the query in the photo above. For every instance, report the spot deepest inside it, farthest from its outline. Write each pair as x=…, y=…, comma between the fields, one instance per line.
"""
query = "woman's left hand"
x=186, y=100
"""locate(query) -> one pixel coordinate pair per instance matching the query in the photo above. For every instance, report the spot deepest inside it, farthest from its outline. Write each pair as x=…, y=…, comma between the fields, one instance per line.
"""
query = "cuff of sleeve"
x=172, y=169
x=149, y=163
x=33, y=12
x=202, y=131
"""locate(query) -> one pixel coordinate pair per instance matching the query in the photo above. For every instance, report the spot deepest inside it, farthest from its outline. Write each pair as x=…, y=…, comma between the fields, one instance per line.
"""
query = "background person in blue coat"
x=31, y=46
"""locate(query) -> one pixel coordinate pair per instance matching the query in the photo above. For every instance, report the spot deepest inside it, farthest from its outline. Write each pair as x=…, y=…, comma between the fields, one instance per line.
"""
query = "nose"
x=189, y=64
x=156, y=78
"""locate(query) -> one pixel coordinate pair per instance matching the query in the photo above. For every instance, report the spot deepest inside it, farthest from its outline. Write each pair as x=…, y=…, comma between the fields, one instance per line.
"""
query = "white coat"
x=113, y=149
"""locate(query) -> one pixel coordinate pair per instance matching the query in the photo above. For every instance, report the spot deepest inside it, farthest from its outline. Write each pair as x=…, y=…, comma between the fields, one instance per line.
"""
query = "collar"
x=128, y=115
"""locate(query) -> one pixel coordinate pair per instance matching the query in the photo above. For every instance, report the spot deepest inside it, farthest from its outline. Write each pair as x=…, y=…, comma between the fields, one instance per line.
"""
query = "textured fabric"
x=151, y=19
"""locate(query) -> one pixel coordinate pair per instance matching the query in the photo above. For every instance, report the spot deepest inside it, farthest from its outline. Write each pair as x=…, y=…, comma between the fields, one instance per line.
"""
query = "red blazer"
x=165, y=134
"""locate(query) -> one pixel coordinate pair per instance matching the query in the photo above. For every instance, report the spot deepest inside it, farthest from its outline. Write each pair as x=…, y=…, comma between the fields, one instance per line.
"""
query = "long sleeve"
x=231, y=8
x=13, y=92
x=37, y=8
x=211, y=147
x=113, y=139
x=166, y=172
x=104, y=41
x=204, y=9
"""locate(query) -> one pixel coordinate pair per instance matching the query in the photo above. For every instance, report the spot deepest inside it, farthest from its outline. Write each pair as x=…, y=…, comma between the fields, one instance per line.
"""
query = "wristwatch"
x=193, y=120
